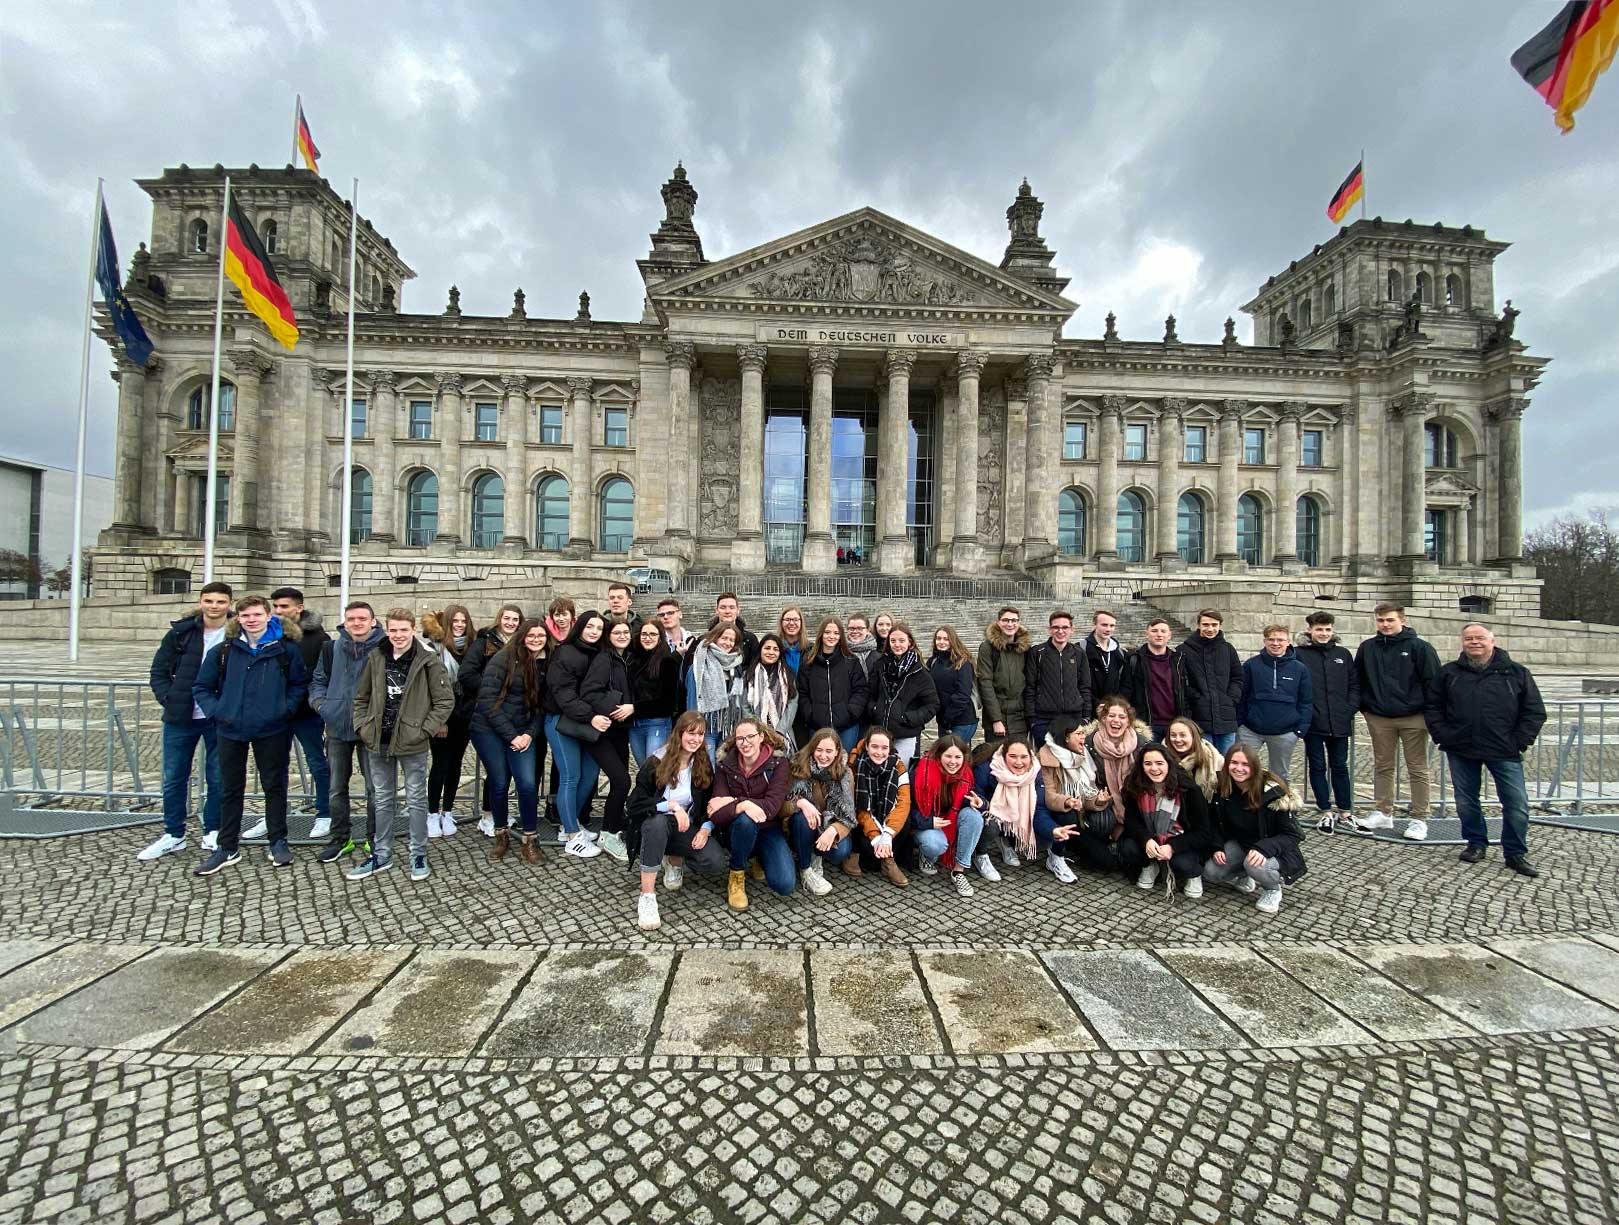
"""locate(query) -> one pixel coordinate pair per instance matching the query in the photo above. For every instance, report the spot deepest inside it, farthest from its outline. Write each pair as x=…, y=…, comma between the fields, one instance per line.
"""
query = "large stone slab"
x=1591, y=969
x=736, y=1002
x=29, y=988
x=585, y=1004
x=1382, y=1006
x=1262, y=1000
x=1001, y=1002
x=139, y=1006
x=1489, y=992
x=1136, y=1004
x=441, y=1003
x=870, y=1003
x=287, y=1009
x=14, y=953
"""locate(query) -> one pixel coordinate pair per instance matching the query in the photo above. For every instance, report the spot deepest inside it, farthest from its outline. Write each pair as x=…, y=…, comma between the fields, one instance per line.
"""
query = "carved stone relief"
x=991, y=464
x=862, y=269
x=720, y=428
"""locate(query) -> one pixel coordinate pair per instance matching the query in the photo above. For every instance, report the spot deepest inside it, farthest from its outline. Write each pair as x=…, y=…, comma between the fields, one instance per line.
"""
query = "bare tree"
x=1578, y=559
x=18, y=567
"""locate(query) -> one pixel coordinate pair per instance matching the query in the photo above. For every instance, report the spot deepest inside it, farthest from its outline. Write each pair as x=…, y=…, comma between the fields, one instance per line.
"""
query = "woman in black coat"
x=1166, y=822
x=1256, y=823
x=607, y=691
x=833, y=690
x=564, y=698
x=903, y=694
x=953, y=676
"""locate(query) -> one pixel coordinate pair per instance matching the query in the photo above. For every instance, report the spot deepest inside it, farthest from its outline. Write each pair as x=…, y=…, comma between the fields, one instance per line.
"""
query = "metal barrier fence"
x=851, y=586
x=80, y=755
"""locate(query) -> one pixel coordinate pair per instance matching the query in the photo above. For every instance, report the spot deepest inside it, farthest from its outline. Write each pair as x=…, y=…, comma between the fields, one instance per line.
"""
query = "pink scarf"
x=1012, y=805
x=1118, y=755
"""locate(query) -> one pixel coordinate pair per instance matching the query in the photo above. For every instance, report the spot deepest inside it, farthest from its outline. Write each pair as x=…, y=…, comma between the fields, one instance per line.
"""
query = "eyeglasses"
x=740, y=739
x=666, y=612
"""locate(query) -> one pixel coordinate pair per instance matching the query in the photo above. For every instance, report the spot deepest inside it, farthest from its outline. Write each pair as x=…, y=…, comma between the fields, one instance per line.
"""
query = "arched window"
x=196, y=407
x=1439, y=447
x=268, y=234
x=1329, y=300
x=617, y=516
x=359, y=506
x=1071, y=523
x=1308, y=543
x=337, y=261
x=1396, y=286
x=1455, y=295
x=1132, y=527
x=1306, y=314
x=421, y=509
x=551, y=513
x=376, y=289
x=199, y=237
x=488, y=511
x=1424, y=287
x=1250, y=529
x=1189, y=529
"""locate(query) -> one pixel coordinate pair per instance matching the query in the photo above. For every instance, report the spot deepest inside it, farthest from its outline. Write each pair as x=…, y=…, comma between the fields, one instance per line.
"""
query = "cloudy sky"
x=1184, y=153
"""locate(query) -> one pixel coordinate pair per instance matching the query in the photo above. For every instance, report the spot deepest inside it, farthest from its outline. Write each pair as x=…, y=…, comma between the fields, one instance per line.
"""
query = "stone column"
x=1287, y=486
x=1225, y=509
x=250, y=366
x=1041, y=485
x=1016, y=445
x=519, y=507
x=1411, y=410
x=156, y=432
x=384, y=477
x=748, y=549
x=895, y=553
x=1109, y=454
x=966, y=554
x=682, y=356
x=449, y=469
x=581, y=479
x=820, y=554
x=128, y=477
x=1171, y=439
x=1508, y=417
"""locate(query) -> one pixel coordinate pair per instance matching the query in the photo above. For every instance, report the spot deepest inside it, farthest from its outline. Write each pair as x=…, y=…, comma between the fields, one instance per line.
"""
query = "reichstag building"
x=858, y=396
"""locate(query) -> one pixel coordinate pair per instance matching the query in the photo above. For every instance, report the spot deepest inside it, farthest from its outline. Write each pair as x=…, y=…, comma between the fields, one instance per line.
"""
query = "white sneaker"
x=166, y=844
x=926, y=866
x=646, y=913
x=613, y=844
x=589, y=835
x=1243, y=884
x=1058, y=867
x=986, y=868
x=210, y=840
x=1269, y=901
x=446, y=822
x=1193, y=887
x=321, y=829
x=486, y=826
x=1009, y=856
x=1377, y=820
x=1416, y=830
x=814, y=879
x=260, y=830
x=435, y=827
x=581, y=847
x=1148, y=877
x=674, y=876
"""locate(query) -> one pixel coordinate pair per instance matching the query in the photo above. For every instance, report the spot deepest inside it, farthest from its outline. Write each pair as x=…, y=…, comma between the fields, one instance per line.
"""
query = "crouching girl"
x=1255, y=822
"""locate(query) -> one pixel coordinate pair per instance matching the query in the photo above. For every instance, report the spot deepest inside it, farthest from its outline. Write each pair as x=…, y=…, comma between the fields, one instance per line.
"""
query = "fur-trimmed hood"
x=290, y=630
x=1205, y=769
x=431, y=629
x=996, y=637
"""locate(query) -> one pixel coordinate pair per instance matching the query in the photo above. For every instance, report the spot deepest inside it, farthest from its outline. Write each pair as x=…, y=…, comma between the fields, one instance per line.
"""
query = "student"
x=655, y=691
x=716, y=681
x=1254, y=822
x=174, y=667
x=331, y=692
x=1211, y=678
x=308, y=731
x=1110, y=752
x=670, y=618
x=1000, y=675
x=727, y=608
x=832, y=685
x=1194, y=754
x=607, y=690
x=903, y=697
x=670, y=797
x=861, y=644
x=451, y=632
x=771, y=690
x=1166, y=823
x=569, y=722
x=790, y=629
x=619, y=612
x=1154, y=683
x=1276, y=704
x=1056, y=678
x=1396, y=668
x=508, y=724
x=750, y=787
x=821, y=817
x=1108, y=660
x=252, y=685
x=403, y=697
x=880, y=627
x=1016, y=818
x=1334, y=699
x=952, y=671
x=945, y=822
x=486, y=643
x=882, y=798
x=559, y=616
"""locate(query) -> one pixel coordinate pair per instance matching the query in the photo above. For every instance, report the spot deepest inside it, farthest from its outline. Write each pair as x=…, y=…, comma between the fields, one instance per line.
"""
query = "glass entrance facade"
x=786, y=433
x=854, y=476
x=919, y=484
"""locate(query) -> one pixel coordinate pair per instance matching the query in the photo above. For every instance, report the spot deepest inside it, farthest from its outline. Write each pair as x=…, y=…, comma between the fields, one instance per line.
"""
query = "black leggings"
x=611, y=752
x=448, y=751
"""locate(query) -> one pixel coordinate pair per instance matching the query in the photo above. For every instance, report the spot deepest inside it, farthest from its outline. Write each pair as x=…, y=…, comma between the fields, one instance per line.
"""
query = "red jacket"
x=936, y=794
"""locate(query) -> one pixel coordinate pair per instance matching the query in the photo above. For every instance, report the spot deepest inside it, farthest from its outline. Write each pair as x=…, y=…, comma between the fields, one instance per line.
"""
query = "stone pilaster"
x=895, y=554
x=157, y=432
x=1110, y=453
x=385, y=428
x=1285, y=552
x=581, y=479
x=1507, y=414
x=820, y=553
x=682, y=356
x=966, y=554
x=748, y=549
x=449, y=470
x=1225, y=502
x=1016, y=444
x=1411, y=411
x=251, y=367
x=1044, y=437
x=519, y=506
x=129, y=477
x=1171, y=438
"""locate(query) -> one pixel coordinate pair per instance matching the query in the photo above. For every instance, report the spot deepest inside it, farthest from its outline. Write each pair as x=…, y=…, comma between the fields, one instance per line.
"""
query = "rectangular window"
x=551, y=424
x=357, y=419
x=1312, y=454
x=618, y=427
x=1135, y=442
x=421, y=418
x=486, y=421
x=1074, y=437
x=1253, y=446
x=1197, y=444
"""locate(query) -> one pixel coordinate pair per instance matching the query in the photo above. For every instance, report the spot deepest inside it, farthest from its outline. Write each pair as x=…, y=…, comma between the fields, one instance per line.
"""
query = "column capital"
x=514, y=384
x=752, y=357
x=969, y=363
x=1412, y=403
x=125, y=366
x=1037, y=367
x=899, y=361
x=1232, y=410
x=1174, y=406
x=1507, y=408
x=1114, y=405
x=385, y=380
x=449, y=382
x=681, y=354
x=249, y=363
x=823, y=359
x=580, y=385
x=1290, y=410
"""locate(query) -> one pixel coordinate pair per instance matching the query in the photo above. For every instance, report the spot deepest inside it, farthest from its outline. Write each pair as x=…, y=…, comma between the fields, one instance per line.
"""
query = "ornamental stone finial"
x=519, y=310
x=1170, y=336
x=1230, y=337
x=1111, y=331
x=453, y=310
x=583, y=315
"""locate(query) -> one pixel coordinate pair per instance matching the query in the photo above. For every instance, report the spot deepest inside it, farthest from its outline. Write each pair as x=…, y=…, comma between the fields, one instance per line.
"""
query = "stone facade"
x=1369, y=440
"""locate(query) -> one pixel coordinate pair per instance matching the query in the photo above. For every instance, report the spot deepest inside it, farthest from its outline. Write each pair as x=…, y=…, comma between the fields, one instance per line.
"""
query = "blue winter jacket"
x=1276, y=695
x=251, y=692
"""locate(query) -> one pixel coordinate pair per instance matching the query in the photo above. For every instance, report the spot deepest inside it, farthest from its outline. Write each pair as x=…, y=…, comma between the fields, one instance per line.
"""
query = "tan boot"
x=851, y=866
x=503, y=842
x=530, y=851
x=892, y=873
x=736, y=892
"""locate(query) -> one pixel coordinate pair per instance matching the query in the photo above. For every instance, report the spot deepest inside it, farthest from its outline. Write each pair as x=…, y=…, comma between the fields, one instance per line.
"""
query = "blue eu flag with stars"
x=124, y=321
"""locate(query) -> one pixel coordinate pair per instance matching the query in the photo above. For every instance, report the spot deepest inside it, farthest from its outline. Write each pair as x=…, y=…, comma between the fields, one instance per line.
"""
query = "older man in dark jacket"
x=1484, y=710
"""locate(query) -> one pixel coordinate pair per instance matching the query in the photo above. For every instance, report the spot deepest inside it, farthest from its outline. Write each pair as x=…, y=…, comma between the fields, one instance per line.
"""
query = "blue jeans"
x=576, y=774
x=1222, y=741
x=803, y=839
x=931, y=843
x=1319, y=751
x=748, y=838
x=504, y=765
x=849, y=736
x=179, y=749
x=965, y=730
x=1466, y=776
x=646, y=736
x=310, y=732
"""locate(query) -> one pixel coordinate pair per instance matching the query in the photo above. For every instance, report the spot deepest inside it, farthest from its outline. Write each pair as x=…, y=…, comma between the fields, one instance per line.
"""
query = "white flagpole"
x=346, y=492
x=213, y=403
x=75, y=565
x=297, y=113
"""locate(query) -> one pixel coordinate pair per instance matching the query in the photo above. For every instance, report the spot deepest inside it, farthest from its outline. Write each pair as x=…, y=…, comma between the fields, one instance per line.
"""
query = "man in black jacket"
x=1396, y=668
x=619, y=596
x=1211, y=675
x=1109, y=662
x=1056, y=678
x=174, y=667
x=307, y=729
x=1335, y=693
x=1485, y=710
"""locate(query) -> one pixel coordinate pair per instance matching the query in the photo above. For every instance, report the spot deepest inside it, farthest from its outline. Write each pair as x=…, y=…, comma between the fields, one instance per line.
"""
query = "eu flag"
x=124, y=321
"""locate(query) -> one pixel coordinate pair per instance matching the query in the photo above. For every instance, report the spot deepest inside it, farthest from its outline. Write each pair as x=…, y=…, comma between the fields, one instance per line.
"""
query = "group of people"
x=792, y=754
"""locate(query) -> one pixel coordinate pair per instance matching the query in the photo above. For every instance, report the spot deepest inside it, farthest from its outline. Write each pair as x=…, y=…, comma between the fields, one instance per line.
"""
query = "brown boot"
x=892, y=873
x=756, y=870
x=736, y=892
x=503, y=842
x=530, y=851
x=851, y=866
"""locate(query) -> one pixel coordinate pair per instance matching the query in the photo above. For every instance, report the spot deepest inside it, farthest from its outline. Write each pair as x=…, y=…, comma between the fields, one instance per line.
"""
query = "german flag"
x=306, y=142
x=250, y=270
x=1562, y=62
x=1349, y=191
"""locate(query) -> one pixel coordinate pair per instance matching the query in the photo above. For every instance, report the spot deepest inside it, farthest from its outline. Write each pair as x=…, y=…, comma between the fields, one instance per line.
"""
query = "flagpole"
x=76, y=562
x=346, y=494
x=213, y=402
x=297, y=110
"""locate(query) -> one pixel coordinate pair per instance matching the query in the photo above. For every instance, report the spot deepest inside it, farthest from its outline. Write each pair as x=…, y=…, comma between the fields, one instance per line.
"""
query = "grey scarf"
x=719, y=677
